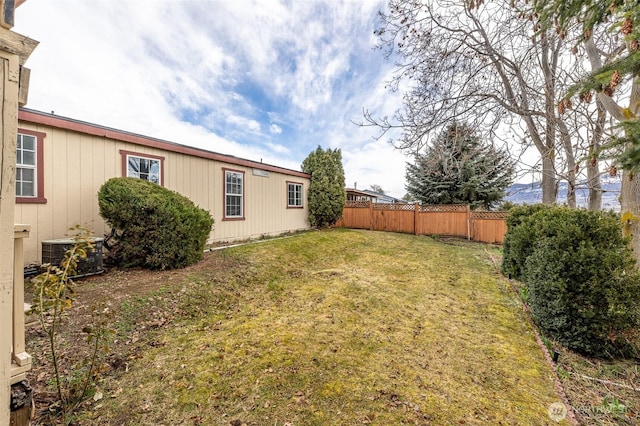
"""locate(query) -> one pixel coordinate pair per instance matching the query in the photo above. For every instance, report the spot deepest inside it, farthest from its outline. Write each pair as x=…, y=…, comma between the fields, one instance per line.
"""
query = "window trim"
x=39, y=173
x=293, y=206
x=224, y=194
x=125, y=169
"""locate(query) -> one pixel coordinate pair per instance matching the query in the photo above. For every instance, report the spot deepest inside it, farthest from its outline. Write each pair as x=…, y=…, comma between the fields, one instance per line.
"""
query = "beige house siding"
x=78, y=158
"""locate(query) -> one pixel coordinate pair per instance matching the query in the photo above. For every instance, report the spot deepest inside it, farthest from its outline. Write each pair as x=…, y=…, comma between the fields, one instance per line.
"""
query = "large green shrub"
x=327, y=196
x=519, y=239
x=153, y=227
x=584, y=290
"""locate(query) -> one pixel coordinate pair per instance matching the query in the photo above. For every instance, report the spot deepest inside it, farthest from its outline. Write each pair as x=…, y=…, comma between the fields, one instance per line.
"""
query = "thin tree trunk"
x=593, y=168
x=630, y=191
x=565, y=137
x=548, y=59
x=630, y=201
x=571, y=189
x=549, y=181
x=595, y=187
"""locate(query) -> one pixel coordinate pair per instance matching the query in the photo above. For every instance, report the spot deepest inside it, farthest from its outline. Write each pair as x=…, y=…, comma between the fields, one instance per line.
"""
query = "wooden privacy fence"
x=450, y=220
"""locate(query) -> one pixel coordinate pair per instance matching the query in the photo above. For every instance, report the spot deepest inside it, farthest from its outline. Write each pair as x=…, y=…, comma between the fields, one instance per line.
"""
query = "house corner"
x=15, y=392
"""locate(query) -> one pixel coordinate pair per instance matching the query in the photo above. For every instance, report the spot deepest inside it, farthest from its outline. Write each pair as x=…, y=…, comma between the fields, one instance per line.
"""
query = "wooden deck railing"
x=450, y=220
x=20, y=359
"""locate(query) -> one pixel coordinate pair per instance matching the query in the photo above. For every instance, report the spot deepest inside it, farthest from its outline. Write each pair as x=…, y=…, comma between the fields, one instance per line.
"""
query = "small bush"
x=53, y=292
x=519, y=240
x=152, y=226
x=584, y=290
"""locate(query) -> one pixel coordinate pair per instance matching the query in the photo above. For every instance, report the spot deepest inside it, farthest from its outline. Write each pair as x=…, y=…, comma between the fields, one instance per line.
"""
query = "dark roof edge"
x=53, y=120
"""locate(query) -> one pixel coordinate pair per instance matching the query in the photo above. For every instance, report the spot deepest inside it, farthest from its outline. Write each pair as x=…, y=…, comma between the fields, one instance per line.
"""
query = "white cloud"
x=227, y=76
x=275, y=129
x=276, y=148
x=364, y=166
x=250, y=125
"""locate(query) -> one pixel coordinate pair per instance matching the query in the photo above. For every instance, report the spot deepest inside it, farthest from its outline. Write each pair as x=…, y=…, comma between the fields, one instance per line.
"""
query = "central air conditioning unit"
x=53, y=252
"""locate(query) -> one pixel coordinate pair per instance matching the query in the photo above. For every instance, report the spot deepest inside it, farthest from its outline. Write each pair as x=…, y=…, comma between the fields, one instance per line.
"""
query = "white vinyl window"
x=233, y=194
x=294, y=194
x=144, y=168
x=26, y=166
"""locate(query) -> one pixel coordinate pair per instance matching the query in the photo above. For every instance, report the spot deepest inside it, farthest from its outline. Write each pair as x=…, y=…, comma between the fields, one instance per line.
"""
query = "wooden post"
x=468, y=221
x=20, y=358
x=370, y=215
x=14, y=51
x=9, y=114
x=416, y=215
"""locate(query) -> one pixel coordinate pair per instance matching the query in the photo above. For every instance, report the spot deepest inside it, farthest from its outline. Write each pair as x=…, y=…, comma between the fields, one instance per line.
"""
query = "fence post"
x=468, y=221
x=370, y=215
x=415, y=219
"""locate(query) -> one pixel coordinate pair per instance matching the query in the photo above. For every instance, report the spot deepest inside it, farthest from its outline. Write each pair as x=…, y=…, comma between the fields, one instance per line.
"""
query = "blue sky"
x=263, y=80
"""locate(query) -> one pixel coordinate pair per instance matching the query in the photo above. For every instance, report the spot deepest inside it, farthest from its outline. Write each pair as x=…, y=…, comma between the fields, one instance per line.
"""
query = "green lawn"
x=338, y=327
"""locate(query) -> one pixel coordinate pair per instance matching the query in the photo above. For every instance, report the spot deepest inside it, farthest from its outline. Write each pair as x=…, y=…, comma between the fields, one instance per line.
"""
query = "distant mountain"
x=531, y=193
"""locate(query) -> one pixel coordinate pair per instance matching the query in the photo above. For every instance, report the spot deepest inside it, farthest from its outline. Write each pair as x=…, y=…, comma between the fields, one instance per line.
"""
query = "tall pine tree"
x=460, y=169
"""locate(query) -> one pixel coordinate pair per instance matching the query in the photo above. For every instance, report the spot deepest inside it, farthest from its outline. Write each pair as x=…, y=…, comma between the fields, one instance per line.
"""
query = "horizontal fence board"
x=447, y=220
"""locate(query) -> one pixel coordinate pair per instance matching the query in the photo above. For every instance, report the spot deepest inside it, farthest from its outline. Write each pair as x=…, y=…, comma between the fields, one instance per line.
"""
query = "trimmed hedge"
x=519, y=239
x=584, y=290
x=153, y=227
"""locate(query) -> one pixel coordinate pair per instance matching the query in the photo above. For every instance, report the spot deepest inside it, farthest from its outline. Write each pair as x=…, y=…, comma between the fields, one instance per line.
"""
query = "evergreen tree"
x=460, y=169
x=327, y=195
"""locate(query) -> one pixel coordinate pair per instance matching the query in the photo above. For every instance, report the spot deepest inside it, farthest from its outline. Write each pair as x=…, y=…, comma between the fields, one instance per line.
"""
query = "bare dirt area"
x=115, y=293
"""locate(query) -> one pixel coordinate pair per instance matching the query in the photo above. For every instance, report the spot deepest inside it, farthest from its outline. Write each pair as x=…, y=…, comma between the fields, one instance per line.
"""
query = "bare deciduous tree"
x=615, y=80
x=376, y=188
x=486, y=64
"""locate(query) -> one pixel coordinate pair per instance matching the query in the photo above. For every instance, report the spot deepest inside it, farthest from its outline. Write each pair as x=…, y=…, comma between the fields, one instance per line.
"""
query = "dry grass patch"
x=601, y=392
x=339, y=327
